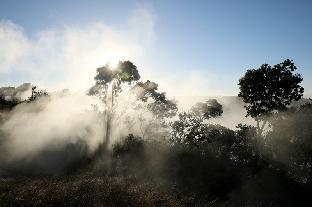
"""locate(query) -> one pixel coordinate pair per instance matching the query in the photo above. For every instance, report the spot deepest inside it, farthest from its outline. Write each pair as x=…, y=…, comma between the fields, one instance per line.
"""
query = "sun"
x=113, y=64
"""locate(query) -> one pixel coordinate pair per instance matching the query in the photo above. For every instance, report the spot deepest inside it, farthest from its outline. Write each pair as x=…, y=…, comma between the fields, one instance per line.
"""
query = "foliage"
x=209, y=109
x=35, y=94
x=161, y=106
x=128, y=155
x=190, y=127
x=270, y=88
x=110, y=82
x=203, y=173
x=182, y=165
x=247, y=148
x=8, y=104
x=214, y=164
x=290, y=141
x=85, y=190
x=107, y=76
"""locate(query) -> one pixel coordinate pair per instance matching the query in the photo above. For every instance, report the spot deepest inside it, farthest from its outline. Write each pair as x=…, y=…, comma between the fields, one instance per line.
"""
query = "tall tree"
x=268, y=89
x=109, y=83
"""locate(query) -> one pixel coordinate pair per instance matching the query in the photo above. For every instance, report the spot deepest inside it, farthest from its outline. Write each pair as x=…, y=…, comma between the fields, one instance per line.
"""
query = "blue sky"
x=189, y=47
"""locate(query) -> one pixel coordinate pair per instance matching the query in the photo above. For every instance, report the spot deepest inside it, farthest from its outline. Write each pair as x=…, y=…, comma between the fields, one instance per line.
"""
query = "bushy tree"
x=159, y=105
x=268, y=89
x=8, y=104
x=155, y=109
x=128, y=155
x=209, y=109
x=13, y=94
x=246, y=149
x=190, y=128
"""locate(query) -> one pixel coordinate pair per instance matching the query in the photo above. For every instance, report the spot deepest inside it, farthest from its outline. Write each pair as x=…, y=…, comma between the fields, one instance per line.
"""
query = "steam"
x=40, y=132
x=233, y=109
x=19, y=93
x=50, y=122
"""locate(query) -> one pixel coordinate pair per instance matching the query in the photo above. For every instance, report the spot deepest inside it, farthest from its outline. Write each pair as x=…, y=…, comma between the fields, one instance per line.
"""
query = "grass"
x=88, y=191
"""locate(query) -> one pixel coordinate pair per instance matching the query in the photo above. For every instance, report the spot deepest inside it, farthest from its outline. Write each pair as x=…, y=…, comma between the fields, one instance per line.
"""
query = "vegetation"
x=196, y=163
x=269, y=89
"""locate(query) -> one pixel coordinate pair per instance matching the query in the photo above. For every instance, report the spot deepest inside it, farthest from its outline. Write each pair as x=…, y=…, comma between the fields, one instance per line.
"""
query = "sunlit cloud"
x=67, y=56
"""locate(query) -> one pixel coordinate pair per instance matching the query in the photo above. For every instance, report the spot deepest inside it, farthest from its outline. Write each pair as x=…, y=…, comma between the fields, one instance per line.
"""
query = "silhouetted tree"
x=12, y=96
x=110, y=82
x=108, y=85
x=35, y=94
x=190, y=127
x=128, y=155
x=209, y=109
x=155, y=102
x=246, y=149
x=8, y=104
x=268, y=89
x=160, y=105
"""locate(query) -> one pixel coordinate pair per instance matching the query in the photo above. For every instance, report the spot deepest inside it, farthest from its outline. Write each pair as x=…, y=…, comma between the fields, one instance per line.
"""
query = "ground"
x=88, y=191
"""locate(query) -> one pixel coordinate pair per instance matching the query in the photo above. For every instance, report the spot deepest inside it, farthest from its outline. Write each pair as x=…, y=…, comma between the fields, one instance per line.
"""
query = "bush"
x=128, y=156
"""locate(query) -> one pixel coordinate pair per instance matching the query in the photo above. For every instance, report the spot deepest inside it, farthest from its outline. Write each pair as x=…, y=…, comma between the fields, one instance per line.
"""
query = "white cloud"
x=67, y=56
x=14, y=45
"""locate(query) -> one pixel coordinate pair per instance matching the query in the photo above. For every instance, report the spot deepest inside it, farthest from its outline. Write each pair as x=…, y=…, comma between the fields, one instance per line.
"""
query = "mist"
x=155, y=104
x=63, y=127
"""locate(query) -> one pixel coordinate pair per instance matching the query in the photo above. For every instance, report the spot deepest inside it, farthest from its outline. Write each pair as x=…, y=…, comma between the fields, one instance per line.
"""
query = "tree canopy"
x=190, y=127
x=270, y=88
x=160, y=105
x=111, y=81
x=209, y=109
x=123, y=72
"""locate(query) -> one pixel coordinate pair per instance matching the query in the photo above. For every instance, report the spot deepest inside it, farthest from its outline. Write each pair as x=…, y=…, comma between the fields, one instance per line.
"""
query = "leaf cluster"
x=270, y=88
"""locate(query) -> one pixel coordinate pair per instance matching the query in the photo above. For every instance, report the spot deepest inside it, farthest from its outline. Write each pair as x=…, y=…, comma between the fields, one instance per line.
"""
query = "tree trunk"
x=260, y=129
x=108, y=131
x=108, y=122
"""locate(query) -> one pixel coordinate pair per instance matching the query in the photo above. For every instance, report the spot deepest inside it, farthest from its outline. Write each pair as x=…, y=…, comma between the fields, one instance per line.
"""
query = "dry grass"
x=88, y=191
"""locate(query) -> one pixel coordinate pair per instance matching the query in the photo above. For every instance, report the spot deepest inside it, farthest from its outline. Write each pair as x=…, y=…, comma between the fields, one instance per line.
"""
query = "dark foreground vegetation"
x=176, y=158
x=88, y=191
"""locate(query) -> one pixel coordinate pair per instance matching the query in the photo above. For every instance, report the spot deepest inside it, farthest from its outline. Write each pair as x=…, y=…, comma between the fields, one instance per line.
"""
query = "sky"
x=195, y=47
